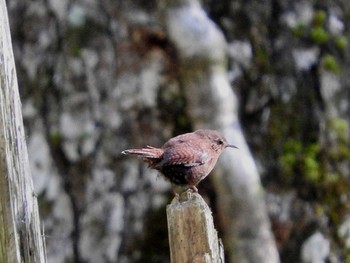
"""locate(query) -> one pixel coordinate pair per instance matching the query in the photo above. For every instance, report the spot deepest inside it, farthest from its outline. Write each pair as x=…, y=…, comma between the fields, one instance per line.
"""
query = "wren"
x=186, y=159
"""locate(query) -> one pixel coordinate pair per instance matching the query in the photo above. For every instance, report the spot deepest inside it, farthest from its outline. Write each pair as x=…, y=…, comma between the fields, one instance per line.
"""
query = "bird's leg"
x=193, y=188
x=184, y=192
x=188, y=193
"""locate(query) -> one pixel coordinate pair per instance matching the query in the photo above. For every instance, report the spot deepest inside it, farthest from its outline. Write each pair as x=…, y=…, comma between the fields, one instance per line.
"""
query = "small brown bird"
x=186, y=159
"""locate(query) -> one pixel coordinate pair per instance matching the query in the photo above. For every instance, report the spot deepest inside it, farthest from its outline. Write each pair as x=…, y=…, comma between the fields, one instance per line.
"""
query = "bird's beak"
x=232, y=146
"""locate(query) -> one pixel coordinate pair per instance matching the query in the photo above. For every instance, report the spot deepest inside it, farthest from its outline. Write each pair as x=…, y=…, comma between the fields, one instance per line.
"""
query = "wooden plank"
x=20, y=234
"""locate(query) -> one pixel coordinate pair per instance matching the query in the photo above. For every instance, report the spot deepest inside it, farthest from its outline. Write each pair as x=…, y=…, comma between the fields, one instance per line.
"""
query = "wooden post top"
x=192, y=236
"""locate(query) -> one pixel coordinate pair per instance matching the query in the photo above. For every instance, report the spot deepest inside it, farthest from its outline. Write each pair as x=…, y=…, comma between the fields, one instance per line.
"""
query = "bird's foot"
x=193, y=188
x=188, y=194
x=184, y=193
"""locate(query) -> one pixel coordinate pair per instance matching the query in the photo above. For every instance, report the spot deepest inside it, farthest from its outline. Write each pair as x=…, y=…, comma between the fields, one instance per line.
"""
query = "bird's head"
x=217, y=140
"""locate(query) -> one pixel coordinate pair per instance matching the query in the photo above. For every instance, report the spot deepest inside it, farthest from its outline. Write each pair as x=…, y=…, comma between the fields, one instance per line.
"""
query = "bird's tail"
x=148, y=152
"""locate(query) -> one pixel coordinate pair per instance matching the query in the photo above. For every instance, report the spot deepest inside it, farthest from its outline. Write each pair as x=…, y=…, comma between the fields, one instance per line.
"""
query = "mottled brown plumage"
x=185, y=159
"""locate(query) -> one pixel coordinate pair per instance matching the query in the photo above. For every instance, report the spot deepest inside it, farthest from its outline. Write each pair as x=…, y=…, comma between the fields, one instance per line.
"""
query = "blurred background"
x=98, y=77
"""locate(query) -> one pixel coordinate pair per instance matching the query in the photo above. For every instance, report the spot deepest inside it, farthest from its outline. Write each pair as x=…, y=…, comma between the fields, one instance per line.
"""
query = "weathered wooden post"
x=192, y=236
x=20, y=233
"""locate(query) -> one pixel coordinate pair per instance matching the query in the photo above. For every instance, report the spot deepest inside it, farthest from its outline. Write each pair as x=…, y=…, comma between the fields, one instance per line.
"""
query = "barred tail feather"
x=149, y=152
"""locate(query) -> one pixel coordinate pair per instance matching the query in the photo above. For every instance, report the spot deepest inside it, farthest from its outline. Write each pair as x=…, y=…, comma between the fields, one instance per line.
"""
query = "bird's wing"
x=184, y=154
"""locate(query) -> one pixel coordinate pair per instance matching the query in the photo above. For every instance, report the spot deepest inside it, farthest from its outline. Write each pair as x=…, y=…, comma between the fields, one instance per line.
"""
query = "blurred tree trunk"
x=211, y=103
x=21, y=239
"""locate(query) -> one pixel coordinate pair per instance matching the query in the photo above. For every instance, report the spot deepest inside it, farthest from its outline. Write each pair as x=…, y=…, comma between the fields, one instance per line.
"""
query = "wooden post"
x=192, y=236
x=20, y=233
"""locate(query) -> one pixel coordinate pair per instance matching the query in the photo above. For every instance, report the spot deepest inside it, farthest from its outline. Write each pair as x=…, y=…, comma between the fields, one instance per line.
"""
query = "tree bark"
x=21, y=239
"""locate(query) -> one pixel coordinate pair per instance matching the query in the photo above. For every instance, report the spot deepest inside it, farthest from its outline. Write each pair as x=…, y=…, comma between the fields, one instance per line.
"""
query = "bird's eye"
x=220, y=142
